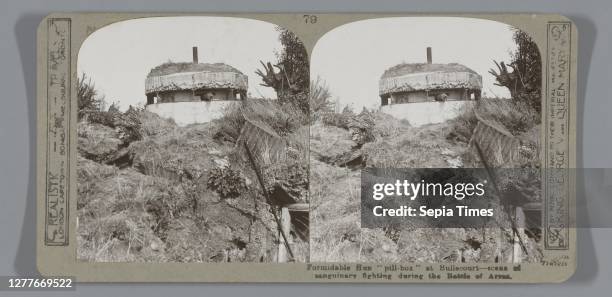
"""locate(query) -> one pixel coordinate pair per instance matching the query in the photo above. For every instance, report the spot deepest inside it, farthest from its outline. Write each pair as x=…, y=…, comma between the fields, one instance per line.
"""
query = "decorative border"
x=557, y=142
x=57, y=171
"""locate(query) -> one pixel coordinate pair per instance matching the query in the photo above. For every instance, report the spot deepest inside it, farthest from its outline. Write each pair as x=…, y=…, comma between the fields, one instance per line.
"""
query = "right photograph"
x=425, y=92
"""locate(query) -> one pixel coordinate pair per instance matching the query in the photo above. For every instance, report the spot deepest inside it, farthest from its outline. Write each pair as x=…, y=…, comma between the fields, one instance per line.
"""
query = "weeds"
x=515, y=116
x=227, y=182
x=361, y=126
x=88, y=97
x=340, y=120
x=320, y=99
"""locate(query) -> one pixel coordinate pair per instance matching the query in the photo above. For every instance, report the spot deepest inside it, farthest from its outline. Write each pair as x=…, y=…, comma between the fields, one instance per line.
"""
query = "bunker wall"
x=185, y=113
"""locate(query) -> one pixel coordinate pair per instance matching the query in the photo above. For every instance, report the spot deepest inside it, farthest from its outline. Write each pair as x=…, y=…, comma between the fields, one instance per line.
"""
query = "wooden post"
x=194, y=51
x=499, y=256
x=459, y=254
x=285, y=220
x=519, y=217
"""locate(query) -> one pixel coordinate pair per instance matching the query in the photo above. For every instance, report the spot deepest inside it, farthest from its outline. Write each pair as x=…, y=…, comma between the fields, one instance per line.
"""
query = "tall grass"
x=284, y=119
x=514, y=116
x=88, y=97
x=320, y=99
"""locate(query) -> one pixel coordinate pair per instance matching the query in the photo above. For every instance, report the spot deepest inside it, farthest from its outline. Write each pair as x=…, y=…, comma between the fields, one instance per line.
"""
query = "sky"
x=351, y=58
x=118, y=57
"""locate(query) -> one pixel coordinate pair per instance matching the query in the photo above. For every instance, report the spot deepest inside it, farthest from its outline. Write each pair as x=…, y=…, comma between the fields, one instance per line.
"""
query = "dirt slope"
x=335, y=197
x=149, y=199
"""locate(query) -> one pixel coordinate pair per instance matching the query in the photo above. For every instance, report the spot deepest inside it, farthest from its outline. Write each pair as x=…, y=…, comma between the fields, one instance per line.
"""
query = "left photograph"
x=192, y=142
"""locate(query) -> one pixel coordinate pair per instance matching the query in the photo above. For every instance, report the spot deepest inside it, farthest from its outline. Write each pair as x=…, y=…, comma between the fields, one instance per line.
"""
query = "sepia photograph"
x=425, y=92
x=192, y=142
x=306, y=147
x=260, y=148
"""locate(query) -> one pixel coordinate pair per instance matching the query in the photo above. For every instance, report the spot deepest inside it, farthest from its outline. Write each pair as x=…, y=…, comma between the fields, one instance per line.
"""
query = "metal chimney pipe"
x=195, y=55
x=428, y=55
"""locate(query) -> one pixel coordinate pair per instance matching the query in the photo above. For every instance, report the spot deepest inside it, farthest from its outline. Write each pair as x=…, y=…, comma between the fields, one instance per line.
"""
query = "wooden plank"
x=285, y=221
x=519, y=217
x=301, y=207
x=265, y=192
x=532, y=206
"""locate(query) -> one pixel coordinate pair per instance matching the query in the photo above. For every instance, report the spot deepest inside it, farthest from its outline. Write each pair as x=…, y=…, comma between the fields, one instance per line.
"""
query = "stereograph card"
x=374, y=148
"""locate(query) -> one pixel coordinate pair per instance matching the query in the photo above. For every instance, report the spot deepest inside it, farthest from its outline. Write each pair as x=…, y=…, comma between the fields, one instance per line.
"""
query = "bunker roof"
x=413, y=68
x=172, y=68
x=171, y=76
x=414, y=77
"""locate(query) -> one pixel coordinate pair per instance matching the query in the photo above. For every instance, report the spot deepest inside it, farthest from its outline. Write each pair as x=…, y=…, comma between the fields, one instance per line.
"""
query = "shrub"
x=128, y=124
x=361, y=126
x=291, y=175
x=320, y=99
x=293, y=76
x=227, y=182
x=524, y=82
x=88, y=98
x=340, y=120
